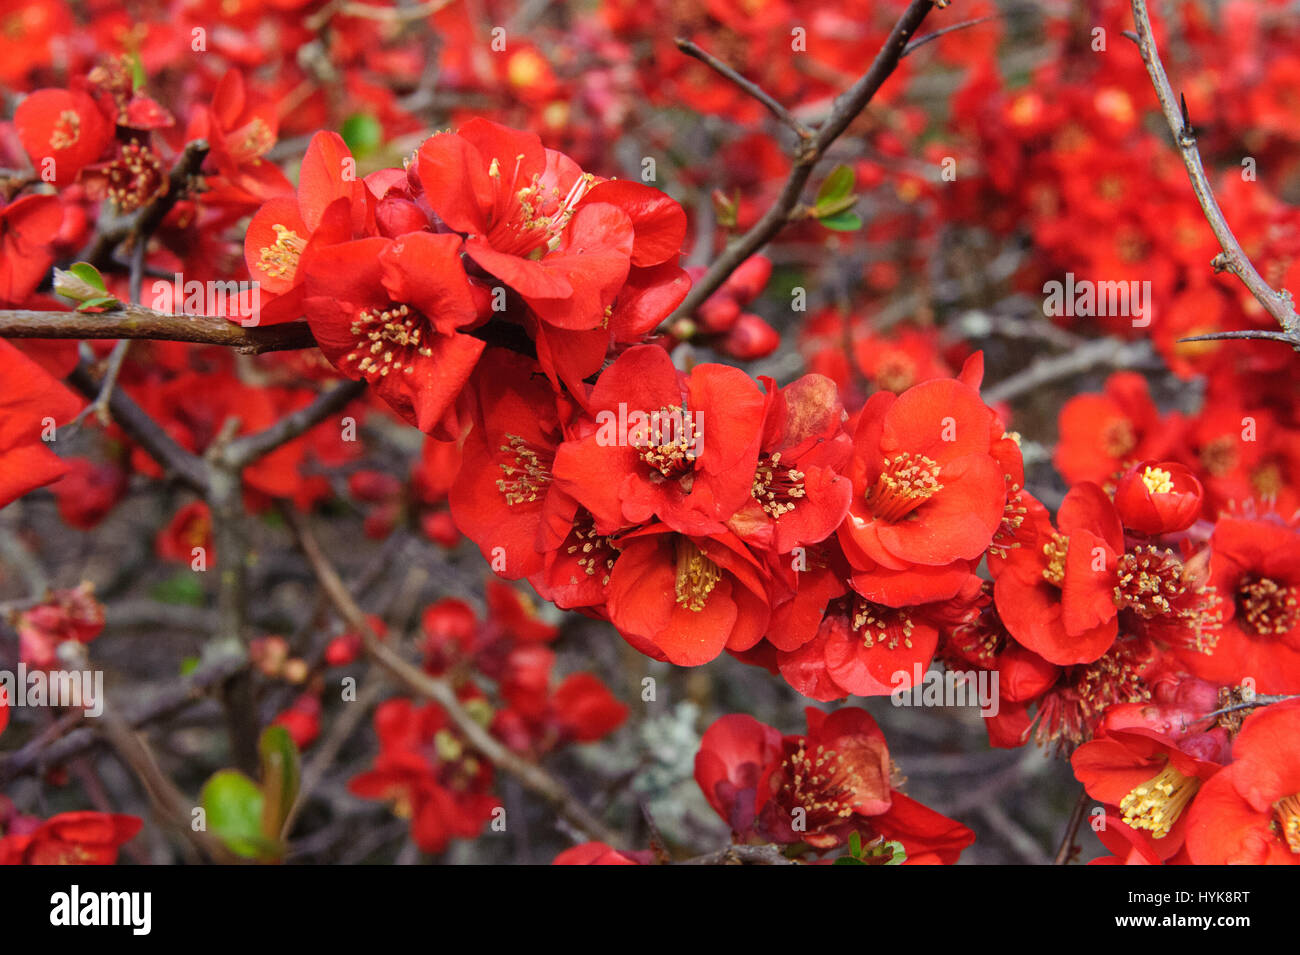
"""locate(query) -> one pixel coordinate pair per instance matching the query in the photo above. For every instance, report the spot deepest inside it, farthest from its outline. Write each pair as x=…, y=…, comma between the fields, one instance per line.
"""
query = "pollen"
x=1156, y=804
x=697, y=576
x=595, y=553
x=135, y=177
x=821, y=782
x=1287, y=813
x=1055, y=551
x=1267, y=608
x=280, y=259
x=1118, y=437
x=670, y=444
x=1155, y=585
x=1158, y=481
x=886, y=626
x=776, y=488
x=907, y=481
x=67, y=130
x=526, y=472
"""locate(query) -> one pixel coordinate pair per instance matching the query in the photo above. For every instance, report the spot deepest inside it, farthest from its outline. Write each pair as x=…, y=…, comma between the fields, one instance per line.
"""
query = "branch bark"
x=1233, y=258
x=532, y=776
x=844, y=110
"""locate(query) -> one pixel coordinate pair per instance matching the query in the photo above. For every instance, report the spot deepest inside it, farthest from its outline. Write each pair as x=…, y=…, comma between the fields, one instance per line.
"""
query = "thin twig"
x=1066, y=850
x=242, y=452
x=1233, y=258
x=931, y=37
x=532, y=776
x=844, y=110
x=742, y=855
x=748, y=86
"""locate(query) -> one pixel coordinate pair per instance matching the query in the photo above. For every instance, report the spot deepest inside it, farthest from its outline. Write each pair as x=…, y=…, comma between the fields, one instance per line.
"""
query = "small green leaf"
x=189, y=665
x=855, y=845
x=182, y=588
x=842, y=222
x=233, y=805
x=836, y=186
x=363, y=134
x=280, y=778
x=848, y=860
x=138, y=77
x=82, y=283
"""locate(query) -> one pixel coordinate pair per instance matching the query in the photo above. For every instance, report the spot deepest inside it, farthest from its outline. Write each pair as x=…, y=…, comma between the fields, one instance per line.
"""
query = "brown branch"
x=742, y=855
x=136, y=321
x=142, y=429
x=242, y=452
x=1066, y=850
x=532, y=776
x=67, y=742
x=931, y=37
x=844, y=110
x=1233, y=258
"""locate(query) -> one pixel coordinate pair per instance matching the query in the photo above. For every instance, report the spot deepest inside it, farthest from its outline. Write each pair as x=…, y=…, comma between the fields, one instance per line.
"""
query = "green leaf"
x=183, y=588
x=838, y=185
x=842, y=222
x=848, y=860
x=189, y=665
x=280, y=778
x=138, y=77
x=363, y=134
x=233, y=805
x=82, y=283
x=855, y=845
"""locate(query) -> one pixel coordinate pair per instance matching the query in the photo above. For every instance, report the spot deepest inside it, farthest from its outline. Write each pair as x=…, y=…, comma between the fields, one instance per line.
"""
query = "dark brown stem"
x=844, y=110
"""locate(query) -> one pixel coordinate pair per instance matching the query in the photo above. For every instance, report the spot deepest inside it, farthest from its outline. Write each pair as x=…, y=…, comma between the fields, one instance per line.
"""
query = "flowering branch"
x=844, y=110
x=1232, y=258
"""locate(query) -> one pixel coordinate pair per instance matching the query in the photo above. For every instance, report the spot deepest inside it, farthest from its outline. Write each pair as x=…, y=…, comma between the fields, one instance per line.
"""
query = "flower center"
x=135, y=177
x=1158, y=481
x=1156, y=804
x=821, y=782
x=1219, y=457
x=526, y=473
x=887, y=626
x=527, y=221
x=1287, y=811
x=1266, y=607
x=776, y=488
x=669, y=444
x=896, y=372
x=1055, y=551
x=597, y=551
x=280, y=259
x=907, y=482
x=1155, y=585
x=1118, y=437
x=67, y=130
x=386, y=340
x=697, y=576
x=1013, y=515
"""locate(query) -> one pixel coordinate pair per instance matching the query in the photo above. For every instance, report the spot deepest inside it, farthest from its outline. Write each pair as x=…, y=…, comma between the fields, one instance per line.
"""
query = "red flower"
x=286, y=231
x=927, y=489
x=427, y=775
x=63, y=131
x=71, y=838
x=189, y=529
x=65, y=615
x=1102, y=434
x=1150, y=779
x=683, y=448
x=1255, y=570
x=1157, y=498
x=1056, y=592
x=597, y=853
x=684, y=598
x=30, y=400
x=1249, y=813
x=388, y=310
x=798, y=495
